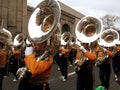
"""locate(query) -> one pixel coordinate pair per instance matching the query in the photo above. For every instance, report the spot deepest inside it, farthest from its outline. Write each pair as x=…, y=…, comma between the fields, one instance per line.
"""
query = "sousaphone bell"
x=44, y=20
x=109, y=38
x=88, y=29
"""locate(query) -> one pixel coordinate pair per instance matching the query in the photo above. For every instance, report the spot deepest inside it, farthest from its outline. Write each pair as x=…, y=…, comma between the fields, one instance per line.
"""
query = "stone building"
x=68, y=20
x=16, y=14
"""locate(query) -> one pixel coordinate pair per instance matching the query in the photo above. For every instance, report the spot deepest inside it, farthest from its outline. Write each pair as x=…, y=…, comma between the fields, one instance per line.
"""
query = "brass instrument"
x=42, y=24
x=56, y=36
x=80, y=63
x=108, y=38
x=101, y=60
x=65, y=38
x=5, y=37
x=28, y=42
x=72, y=41
x=19, y=42
x=88, y=29
x=44, y=20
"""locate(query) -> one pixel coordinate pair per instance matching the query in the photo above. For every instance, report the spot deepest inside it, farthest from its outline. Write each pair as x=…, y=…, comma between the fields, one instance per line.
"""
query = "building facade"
x=16, y=14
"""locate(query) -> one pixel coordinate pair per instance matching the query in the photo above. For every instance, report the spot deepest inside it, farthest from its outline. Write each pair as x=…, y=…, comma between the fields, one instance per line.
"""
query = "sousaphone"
x=109, y=38
x=5, y=37
x=44, y=20
x=88, y=29
x=19, y=41
x=65, y=38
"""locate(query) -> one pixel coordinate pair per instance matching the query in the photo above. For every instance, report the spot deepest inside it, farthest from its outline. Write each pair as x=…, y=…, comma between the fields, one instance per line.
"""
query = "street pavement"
x=56, y=82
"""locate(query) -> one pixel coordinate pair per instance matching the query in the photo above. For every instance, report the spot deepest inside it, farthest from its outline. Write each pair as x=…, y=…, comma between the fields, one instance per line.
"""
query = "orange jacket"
x=17, y=54
x=90, y=56
x=101, y=53
x=3, y=57
x=64, y=51
x=41, y=68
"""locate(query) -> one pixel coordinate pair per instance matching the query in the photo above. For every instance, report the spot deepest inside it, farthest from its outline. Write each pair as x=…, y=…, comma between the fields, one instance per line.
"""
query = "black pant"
x=116, y=66
x=37, y=87
x=64, y=67
x=104, y=74
x=2, y=73
x=85, y=79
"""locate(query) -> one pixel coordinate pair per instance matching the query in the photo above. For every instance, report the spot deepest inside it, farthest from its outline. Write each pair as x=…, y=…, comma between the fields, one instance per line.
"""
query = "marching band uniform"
x=15, y=62
x=116, y=63
x=63, y=61
x=72, y=54
x=85, y=74
x=3, y=60
x=105, y=67
x=39, y=70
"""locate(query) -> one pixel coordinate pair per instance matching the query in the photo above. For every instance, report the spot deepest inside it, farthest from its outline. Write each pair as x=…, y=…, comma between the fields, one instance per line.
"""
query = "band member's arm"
x=64, y=51
x=89, y=55
x=109, y=53
x=117, y=48
x=78, y=55
x=39, y=67
x=3, y=57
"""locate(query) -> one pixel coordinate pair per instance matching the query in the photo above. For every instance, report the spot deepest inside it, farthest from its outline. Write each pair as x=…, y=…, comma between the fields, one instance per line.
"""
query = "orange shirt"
x=90, y=56
x=3, y=57
x=41, y=68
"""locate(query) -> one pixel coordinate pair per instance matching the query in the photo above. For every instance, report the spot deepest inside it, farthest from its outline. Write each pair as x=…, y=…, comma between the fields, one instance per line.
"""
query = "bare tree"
x=109, y=21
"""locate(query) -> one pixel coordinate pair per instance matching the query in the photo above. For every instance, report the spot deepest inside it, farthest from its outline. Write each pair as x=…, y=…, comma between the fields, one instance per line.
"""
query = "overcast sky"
x=96, y=8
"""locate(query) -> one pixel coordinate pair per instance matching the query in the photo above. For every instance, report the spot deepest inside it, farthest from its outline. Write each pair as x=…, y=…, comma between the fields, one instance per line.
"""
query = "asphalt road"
x=56, y=82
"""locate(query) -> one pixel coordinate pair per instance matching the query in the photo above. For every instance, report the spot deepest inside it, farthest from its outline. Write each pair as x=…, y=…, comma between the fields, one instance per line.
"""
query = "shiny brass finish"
x=109, y=38
x=88, y=29
x=44, y=20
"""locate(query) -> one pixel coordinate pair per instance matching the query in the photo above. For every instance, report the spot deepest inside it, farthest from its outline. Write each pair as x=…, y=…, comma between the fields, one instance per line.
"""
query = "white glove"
x=76, y=61
x=83, y=49
x=28, y=50
x=104, y=49
x=21, y=72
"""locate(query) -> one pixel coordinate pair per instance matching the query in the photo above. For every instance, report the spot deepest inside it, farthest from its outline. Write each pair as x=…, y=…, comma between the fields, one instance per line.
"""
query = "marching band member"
x=72, y=52
x=116, y=63
x=41, y=25
x=15, y=61
x=63, y=60
x=5, y=41
x=39, y=65
x=3, y=60
x=105, y=67
x=85, y=77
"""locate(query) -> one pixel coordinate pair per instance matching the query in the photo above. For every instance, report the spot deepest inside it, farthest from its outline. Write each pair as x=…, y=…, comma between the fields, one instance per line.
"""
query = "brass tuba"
x=19, y=41
x=72, y=40
x=88, y=29
x=109, y=38
x=65, y=38
x=5, y=37
x=44, y=20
